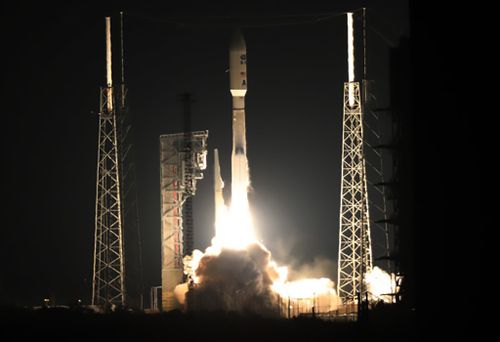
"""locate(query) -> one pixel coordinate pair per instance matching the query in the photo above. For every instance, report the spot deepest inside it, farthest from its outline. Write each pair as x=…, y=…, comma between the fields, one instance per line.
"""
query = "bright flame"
x=234, y=228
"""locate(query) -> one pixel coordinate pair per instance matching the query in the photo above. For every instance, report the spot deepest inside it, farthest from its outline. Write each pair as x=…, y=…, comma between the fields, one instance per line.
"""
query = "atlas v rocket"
x=239, y=162
x=238, y=86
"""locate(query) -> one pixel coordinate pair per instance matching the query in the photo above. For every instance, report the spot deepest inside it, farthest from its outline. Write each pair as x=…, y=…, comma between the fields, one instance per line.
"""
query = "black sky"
x=55, y=65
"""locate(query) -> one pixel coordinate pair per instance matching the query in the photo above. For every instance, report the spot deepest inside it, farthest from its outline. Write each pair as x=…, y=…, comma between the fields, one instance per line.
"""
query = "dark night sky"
x=55, y=65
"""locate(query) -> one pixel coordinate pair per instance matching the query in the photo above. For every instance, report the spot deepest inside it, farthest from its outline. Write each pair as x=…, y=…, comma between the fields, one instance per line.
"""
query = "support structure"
x=355, y=255
x=154, y=298
x=108, y=285
x=182, y=157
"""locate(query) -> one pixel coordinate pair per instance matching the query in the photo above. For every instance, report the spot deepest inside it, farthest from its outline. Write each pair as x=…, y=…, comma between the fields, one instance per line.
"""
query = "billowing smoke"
x=235, y=280
x=380, y=284
x=247, y=280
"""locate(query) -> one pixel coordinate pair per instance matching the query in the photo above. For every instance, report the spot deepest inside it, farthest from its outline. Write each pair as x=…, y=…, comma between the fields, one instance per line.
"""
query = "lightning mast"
x=108, y=285
x=355, y=254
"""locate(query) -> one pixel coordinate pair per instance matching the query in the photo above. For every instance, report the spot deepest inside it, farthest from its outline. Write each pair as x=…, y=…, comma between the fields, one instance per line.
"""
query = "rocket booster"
x=238, y=87
x=218, y=186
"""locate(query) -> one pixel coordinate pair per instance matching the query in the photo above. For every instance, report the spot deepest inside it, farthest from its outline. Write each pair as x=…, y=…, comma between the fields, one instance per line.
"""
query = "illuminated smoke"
x=235, y=280
x=380, y=285
x=248, y=280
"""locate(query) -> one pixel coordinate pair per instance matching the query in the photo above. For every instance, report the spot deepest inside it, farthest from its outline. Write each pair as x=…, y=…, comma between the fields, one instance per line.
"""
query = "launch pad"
x=182, y=159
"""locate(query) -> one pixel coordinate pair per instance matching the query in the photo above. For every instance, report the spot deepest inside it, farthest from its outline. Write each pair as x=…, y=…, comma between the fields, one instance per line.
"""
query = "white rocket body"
x=238, y=86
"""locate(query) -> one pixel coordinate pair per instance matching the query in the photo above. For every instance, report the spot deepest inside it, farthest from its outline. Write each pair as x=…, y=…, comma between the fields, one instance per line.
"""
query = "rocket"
x=238, y=86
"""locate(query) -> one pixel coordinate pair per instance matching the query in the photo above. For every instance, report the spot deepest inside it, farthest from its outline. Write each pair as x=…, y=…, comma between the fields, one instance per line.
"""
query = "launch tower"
x=108, y=285
x=355, y=254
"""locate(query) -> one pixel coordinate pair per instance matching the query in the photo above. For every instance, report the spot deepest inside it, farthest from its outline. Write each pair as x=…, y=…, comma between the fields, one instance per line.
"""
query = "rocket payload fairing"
x=238, y=86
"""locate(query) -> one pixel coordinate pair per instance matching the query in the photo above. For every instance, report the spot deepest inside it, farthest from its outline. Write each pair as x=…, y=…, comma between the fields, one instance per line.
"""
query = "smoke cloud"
x=235, y=280
x=381, y=284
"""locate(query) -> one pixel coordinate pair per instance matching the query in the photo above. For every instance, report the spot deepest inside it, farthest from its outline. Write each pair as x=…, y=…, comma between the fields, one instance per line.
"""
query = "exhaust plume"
x=235, y=280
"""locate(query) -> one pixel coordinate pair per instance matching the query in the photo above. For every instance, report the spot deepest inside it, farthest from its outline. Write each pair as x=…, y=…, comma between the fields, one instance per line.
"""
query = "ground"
x=61, y=323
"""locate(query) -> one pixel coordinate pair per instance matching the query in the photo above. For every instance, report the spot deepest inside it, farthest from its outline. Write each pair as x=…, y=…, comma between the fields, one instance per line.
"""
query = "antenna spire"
x=109, y=76
x=122, y=62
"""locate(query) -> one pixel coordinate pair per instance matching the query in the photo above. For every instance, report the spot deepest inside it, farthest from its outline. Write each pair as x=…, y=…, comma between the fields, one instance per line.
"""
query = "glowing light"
x=234, y=228
x=304, y=288
x=380, y=284
x=350, y=56
x=109, y=76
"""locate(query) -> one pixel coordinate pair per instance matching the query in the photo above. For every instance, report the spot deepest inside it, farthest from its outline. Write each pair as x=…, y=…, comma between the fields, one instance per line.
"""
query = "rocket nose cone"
x=237, y=41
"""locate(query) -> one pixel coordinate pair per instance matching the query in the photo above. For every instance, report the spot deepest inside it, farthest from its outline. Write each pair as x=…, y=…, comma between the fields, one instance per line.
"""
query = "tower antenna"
x=122, y=62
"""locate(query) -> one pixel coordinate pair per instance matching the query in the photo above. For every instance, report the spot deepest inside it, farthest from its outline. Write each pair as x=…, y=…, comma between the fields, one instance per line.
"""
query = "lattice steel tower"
x=355, y=254
x=108, y=286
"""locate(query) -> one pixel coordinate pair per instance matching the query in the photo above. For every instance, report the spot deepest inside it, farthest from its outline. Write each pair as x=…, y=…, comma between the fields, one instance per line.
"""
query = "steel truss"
x=355, y=254
x=109, y=273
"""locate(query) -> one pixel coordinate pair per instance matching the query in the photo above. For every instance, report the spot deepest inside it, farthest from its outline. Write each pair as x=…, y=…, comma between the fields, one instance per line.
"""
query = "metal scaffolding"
x=108, y=281
x=182, y=157
x=108, y=286
x=355, y=254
